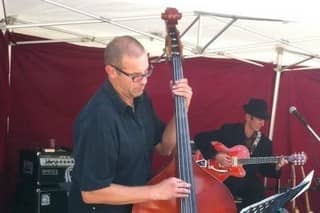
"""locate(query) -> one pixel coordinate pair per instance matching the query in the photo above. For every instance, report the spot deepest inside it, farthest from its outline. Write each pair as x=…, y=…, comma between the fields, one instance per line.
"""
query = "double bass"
x=208, y=195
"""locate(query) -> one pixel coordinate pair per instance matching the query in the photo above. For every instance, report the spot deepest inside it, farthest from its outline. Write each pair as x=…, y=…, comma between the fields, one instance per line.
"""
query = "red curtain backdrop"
x=51, y=82
x=302, y=90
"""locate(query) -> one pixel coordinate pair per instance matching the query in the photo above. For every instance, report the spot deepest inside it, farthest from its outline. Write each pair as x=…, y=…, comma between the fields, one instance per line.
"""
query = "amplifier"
x=35, y=199
x=46, y=167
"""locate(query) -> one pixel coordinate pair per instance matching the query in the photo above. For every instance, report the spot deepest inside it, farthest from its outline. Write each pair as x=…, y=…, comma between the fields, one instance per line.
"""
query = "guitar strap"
x=255, y=142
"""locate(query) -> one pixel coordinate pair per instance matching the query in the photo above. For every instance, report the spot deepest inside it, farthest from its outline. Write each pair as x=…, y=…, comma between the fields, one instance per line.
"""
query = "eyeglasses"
x=135, y=77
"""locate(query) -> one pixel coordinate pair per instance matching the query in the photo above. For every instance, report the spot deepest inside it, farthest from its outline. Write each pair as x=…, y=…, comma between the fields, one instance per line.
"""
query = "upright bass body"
x=212, y=195
x=207, y=194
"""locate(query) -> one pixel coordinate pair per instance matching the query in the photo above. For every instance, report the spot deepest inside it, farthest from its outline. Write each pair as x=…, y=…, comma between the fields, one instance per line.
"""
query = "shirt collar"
x=120, y=105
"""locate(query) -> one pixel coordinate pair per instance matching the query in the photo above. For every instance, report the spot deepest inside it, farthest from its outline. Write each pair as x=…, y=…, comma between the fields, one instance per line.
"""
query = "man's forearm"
x=118, y=195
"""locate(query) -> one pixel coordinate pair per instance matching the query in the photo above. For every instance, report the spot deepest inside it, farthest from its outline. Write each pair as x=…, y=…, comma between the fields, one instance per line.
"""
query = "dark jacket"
x=250, y=186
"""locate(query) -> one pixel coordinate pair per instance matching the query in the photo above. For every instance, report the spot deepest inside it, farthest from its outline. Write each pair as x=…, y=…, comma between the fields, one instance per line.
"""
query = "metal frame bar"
x=239, y=17
x=301, y=53
x=83, y=37
x=113, y=22
x=189, y=27
x=302, y=68
x=4, y=12
x=199, y=32
x=103, y=19
x=307, y=55
x=30, y=25
x=87, y=21
x=239, y=59
x=227, y=26
x=54, y=41
x=297, y=63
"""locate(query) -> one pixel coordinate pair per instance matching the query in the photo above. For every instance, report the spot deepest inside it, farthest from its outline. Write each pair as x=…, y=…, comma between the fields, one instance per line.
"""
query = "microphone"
x=293, y=110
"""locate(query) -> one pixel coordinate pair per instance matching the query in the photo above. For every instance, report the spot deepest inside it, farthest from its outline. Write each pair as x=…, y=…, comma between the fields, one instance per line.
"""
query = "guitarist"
x=249, y=188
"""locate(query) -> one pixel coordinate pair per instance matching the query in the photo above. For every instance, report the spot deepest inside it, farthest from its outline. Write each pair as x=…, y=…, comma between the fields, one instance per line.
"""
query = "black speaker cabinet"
x=41, y=200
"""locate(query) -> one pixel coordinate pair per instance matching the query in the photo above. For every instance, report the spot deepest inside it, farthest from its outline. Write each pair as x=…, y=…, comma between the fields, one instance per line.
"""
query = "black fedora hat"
x=257, y=107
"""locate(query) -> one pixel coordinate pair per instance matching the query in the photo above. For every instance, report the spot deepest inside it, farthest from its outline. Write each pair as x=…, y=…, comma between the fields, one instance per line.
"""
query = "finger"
x=181, y=181
x=182, y=195
x=181, y=83
x=182, y=80
x=171, y=85
x=182, y=89
x=183, y=184
x=186, y=94
x=182, y=192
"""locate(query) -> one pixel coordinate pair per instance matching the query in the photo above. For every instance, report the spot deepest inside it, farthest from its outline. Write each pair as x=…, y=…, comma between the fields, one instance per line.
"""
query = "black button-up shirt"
x=112, y=144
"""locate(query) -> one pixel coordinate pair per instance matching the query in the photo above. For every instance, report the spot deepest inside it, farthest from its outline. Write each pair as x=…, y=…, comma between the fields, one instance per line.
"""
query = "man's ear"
x=247, y=117
x=110, y=71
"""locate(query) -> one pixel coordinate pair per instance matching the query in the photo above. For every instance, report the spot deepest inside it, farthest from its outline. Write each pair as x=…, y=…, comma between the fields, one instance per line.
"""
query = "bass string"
x=184, y=148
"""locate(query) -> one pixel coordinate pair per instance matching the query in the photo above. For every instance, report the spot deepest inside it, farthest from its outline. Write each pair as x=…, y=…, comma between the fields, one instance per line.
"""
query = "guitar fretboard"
x=260, y=160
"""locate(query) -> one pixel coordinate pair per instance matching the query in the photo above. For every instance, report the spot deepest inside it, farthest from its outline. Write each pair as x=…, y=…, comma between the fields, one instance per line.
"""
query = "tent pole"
x=9, y=81
x=278, y=71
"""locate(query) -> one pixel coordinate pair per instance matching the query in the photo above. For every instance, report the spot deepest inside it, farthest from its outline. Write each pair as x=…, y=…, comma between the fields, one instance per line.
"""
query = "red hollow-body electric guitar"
x=240, y=156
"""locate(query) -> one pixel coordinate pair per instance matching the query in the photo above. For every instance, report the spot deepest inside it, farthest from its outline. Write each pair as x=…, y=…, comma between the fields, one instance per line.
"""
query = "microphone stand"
x=312, y=132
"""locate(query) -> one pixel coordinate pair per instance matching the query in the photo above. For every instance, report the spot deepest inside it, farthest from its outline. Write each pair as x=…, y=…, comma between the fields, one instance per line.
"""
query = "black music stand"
x=275, y=202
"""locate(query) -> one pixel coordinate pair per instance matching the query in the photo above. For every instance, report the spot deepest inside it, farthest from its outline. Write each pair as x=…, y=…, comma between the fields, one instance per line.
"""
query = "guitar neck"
x=260, y=160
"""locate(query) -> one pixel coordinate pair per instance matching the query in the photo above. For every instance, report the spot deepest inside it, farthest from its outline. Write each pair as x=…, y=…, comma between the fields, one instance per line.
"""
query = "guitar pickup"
x=235, y=161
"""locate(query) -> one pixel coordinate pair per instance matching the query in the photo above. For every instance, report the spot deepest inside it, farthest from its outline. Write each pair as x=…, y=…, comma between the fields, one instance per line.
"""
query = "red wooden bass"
x=208, y=195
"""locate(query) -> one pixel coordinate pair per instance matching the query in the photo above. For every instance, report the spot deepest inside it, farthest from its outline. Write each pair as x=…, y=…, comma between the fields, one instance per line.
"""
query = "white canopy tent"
x=250, y=30
x=284, y=33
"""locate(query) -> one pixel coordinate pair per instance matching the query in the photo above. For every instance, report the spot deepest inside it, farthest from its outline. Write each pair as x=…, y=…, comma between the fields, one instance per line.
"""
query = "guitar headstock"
x=298, y=158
